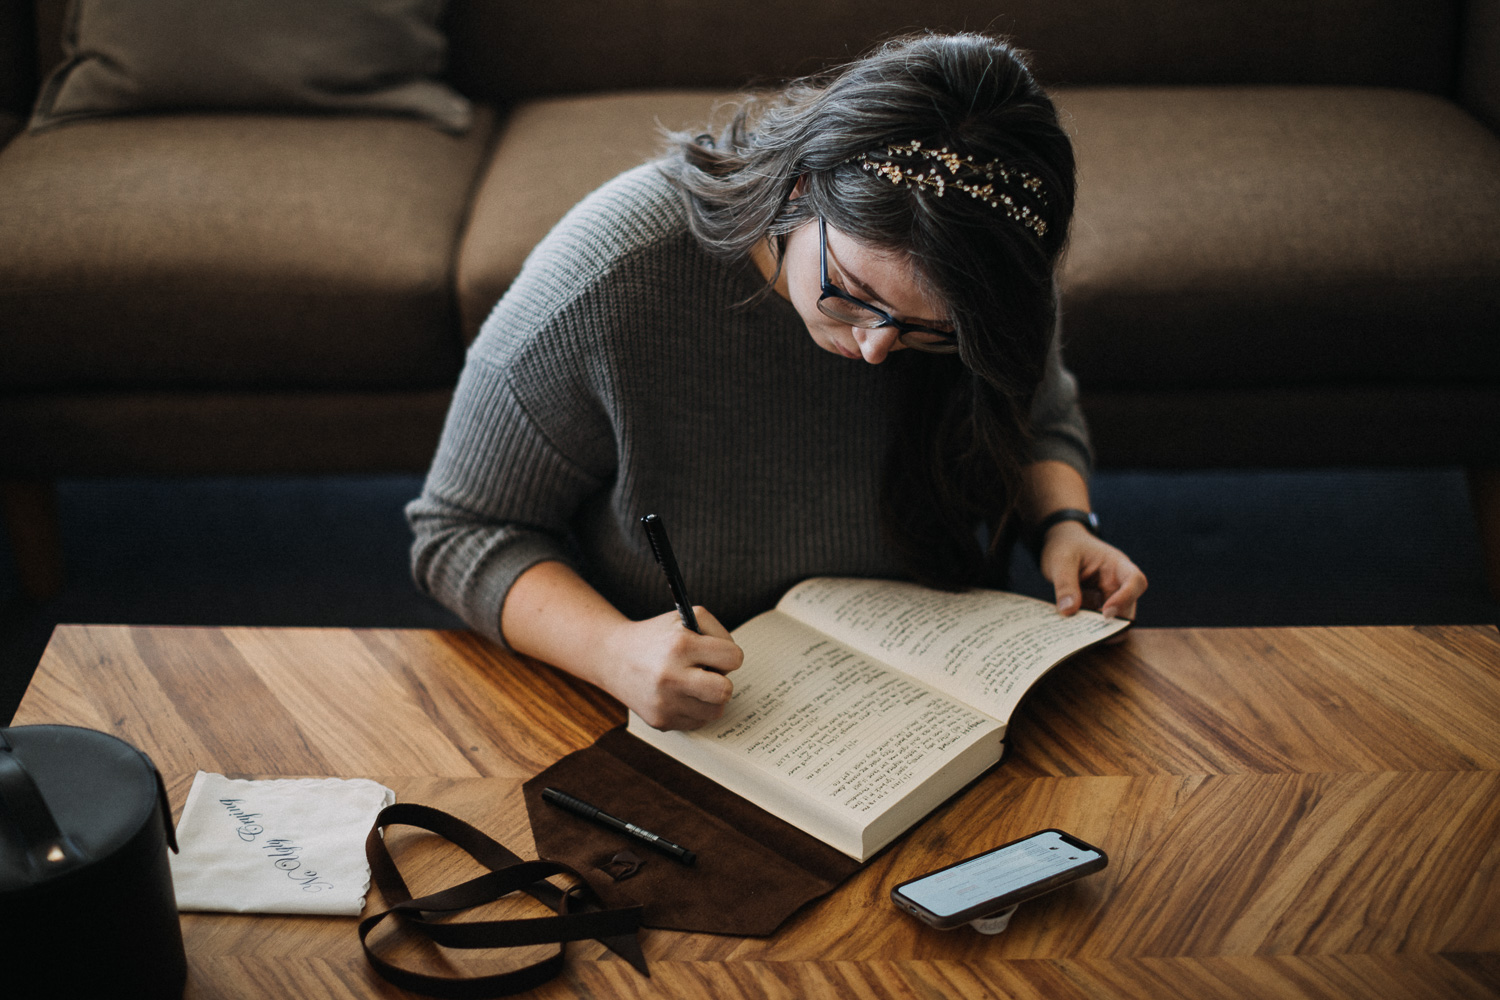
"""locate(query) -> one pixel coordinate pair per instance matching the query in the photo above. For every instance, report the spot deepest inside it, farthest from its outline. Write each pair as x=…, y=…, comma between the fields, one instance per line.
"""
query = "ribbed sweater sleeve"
x=495, y=503
x=1058, y=427
x=528, y=437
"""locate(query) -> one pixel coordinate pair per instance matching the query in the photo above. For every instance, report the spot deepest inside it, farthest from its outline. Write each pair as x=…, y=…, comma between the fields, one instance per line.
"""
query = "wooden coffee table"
x=1288, y=812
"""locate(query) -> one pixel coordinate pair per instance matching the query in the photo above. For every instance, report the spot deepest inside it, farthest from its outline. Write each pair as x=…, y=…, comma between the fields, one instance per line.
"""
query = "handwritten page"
x=847, y=729
x=812, y=720
x=863, y=704
x=983, y=647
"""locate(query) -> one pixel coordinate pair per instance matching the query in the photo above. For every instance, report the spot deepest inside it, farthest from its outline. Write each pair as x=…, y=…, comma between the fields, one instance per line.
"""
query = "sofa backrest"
x=505, y=49
x=508, y=48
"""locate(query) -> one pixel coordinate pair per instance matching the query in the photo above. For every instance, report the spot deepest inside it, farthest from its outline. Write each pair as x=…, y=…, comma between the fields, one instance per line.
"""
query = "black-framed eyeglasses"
x=837, y=304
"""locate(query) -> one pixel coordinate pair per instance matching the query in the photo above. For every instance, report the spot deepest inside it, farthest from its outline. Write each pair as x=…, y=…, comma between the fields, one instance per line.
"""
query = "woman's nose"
x=875, y=344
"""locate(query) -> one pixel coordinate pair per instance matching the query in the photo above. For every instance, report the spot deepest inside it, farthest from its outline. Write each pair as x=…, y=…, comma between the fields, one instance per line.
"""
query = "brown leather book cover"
x=752, y=872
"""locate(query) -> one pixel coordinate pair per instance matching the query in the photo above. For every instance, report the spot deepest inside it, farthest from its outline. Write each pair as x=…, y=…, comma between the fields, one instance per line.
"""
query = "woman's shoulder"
x=636, y=214
x=610, y=256
x=634, y=211
x=641, y=197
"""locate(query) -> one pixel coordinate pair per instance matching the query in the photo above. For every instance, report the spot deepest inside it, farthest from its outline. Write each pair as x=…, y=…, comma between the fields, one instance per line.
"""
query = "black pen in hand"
x=661, y=547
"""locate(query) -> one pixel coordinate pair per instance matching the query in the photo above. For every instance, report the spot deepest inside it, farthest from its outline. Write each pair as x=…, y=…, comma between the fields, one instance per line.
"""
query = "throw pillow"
x=378, y=56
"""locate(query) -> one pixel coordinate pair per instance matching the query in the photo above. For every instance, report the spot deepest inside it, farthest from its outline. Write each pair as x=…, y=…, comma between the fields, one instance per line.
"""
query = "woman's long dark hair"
x=962, y=433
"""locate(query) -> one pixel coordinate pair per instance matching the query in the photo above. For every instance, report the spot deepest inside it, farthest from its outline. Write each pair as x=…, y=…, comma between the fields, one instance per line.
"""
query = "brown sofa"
x=1287, y=251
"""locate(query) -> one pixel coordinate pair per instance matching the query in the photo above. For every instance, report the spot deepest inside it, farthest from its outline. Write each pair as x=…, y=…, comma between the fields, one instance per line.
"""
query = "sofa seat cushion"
x=551, y=152
x=233, y=251
x=1247, y=237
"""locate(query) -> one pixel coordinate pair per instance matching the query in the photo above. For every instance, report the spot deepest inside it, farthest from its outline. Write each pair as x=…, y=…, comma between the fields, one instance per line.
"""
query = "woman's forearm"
x=1050, y=486
x=554, y=615
x=671, y=677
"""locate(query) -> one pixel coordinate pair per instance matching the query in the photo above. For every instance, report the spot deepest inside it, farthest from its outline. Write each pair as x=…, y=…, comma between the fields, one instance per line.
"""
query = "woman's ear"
x=799, y=187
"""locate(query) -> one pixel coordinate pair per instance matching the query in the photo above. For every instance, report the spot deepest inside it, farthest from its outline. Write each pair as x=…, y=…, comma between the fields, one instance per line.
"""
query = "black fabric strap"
x=581, y=914
x=1038, y=534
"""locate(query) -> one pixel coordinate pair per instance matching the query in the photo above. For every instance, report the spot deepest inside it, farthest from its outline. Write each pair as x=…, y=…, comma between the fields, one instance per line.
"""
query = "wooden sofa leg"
x=36, y=543
x=1484, y=494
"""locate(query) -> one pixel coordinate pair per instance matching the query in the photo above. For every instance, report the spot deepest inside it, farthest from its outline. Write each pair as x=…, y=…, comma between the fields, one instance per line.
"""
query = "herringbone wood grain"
x=1288, y=812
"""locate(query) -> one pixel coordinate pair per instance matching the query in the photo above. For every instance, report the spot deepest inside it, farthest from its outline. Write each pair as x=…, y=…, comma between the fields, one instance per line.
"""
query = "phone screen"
x=996, y=873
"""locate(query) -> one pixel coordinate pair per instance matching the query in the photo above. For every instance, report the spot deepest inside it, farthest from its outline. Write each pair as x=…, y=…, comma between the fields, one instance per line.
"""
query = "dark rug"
x=1340, y=547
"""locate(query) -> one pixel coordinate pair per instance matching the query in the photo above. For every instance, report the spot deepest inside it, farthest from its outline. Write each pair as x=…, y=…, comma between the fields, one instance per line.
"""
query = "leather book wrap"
x=753, y=870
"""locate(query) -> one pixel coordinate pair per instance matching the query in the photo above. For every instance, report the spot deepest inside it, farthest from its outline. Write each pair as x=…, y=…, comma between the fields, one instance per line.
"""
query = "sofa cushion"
x=1281, y=236
x=232, y=251
x=332, y=55
x=552, y=152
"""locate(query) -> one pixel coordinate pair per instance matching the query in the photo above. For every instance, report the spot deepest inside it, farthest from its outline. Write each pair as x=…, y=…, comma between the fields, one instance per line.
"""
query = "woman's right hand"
x=671, y=677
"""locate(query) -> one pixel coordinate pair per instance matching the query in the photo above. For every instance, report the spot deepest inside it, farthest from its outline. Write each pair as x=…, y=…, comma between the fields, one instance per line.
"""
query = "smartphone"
x=987, y=883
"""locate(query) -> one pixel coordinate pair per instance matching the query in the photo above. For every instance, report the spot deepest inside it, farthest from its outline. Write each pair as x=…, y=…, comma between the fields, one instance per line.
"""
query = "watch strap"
x=1038, y=534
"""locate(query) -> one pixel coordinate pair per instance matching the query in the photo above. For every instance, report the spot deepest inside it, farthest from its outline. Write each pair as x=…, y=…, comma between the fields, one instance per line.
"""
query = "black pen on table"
x=661, y=547
x=578, y=807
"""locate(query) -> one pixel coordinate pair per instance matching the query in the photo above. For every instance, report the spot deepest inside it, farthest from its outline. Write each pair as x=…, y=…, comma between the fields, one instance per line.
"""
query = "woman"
x=822, y=344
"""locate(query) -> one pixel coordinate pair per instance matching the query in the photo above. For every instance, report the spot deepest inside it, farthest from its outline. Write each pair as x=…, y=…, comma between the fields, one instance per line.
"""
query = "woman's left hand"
x=1086, y=571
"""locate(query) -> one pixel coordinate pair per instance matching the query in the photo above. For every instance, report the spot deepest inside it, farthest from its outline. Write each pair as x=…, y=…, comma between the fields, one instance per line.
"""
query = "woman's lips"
x=838, y=345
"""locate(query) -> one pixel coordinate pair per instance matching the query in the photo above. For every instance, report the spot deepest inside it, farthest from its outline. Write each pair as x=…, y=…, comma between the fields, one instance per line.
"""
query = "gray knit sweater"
x=622, y=375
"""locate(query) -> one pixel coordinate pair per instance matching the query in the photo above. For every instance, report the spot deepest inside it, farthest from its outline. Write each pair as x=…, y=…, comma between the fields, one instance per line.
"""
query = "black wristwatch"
x=1038, y=534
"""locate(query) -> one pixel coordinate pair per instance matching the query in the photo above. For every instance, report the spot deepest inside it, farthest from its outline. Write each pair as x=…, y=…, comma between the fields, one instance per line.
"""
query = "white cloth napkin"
x=288, y=845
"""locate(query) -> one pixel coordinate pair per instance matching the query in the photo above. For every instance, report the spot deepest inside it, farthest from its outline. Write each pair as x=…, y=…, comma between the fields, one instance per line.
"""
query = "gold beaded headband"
x=963, y=174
